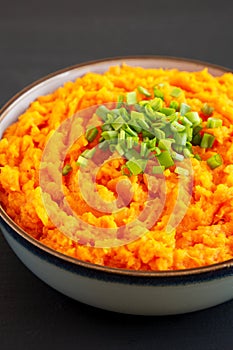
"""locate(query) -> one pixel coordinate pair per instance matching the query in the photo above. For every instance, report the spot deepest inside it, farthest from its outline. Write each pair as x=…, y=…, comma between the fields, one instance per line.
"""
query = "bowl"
x=119, y=290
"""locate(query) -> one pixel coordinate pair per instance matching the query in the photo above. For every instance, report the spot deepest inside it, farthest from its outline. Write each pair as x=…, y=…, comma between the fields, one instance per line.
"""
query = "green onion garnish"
x=82, y=161
x=176, y=92
x=158, y=93
x=207, y=141
x=207, y=109
x=134, y=166
x=181, y=171
x=88, y=153
x=213, y=123
x=174, y=104
x=165, y=159
x=214, y=161
x=144, y=91
x=91, y=134
x=158, y=169
x=184, y=108
x=120, y=101
x=131, y=98
x=66, y=169
x=167, y=111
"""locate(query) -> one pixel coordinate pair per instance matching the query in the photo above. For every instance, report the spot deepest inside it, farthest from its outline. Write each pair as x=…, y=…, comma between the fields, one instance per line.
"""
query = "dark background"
x=37, y=38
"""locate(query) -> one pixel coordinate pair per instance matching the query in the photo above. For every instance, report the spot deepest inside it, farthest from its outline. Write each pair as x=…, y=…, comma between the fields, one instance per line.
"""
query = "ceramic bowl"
x=132, y=292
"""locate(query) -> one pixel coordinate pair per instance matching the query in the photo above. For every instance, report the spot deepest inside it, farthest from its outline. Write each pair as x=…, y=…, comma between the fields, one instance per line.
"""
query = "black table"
x=41, y=37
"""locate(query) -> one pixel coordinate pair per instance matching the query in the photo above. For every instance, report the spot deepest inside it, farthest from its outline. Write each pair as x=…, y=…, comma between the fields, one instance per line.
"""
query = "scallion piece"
x=177, y=127
x=158, y=169
x=109, y=135
x=158, y=93
x=134, y=166
x=177, y=156
x=102, y=112
x=214, y=161
x=184, y=108
x=120, y=101
x=88, y=153
x=174, y=104
x=207, y=141
x=214, y=123
x=165, y=159
x=207, y=109
x=144, y=91
x=118, y=122
x=167, y=111
x=91, y=134
x=193, y=117
x=176, y=92
x=66, y=169
x=156, y=103
x=181, y=171
x=82, y=161
x=131, y=98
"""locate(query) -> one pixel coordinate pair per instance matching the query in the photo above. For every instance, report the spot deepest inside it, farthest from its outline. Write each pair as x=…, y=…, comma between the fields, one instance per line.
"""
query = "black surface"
x=37, y=38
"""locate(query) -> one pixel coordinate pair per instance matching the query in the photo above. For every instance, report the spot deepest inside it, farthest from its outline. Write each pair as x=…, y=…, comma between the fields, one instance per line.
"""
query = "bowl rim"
x=110, y=270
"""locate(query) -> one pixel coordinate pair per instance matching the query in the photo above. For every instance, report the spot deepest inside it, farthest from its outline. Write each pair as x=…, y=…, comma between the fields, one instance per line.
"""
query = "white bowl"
x=133, y=292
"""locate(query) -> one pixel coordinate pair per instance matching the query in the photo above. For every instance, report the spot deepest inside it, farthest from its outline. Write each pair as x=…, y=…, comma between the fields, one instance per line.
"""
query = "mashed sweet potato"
x=205, y=234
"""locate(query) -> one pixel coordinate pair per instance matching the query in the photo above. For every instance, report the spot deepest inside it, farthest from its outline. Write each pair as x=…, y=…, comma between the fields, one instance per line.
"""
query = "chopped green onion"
x=82, y=161
x=144, y=151
x=196, y=129
x=213, y=123
x=143, y=124
x=165, y=144
x=156, y=103
x=176, y=92
x=207, y=109
x=119, y=149
x=187, y=153
x=158, y=169
x=109, y=135
x=196, y=140
x=174, y=104
x=132, y=153
x=118, y=122
x=184, y=108
x=193, y=117
x=128, y=130
x=207, y=141
x=177, y=156
x=144, y=91
x=106, y=127
x=214, y=161
x=131, y=98
x=167, y=111
x=180, y=138
x=159, y=134
x=88, y=153
x=120, y=100
x=165, y=159
x=129, y=142
x=102, y=112
x=66, y=169
x=177, y=127
x=158, y=93
x=135, y=167
x=104, y=145
x=181, y=171
x=185, y=121
x=91, y=134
